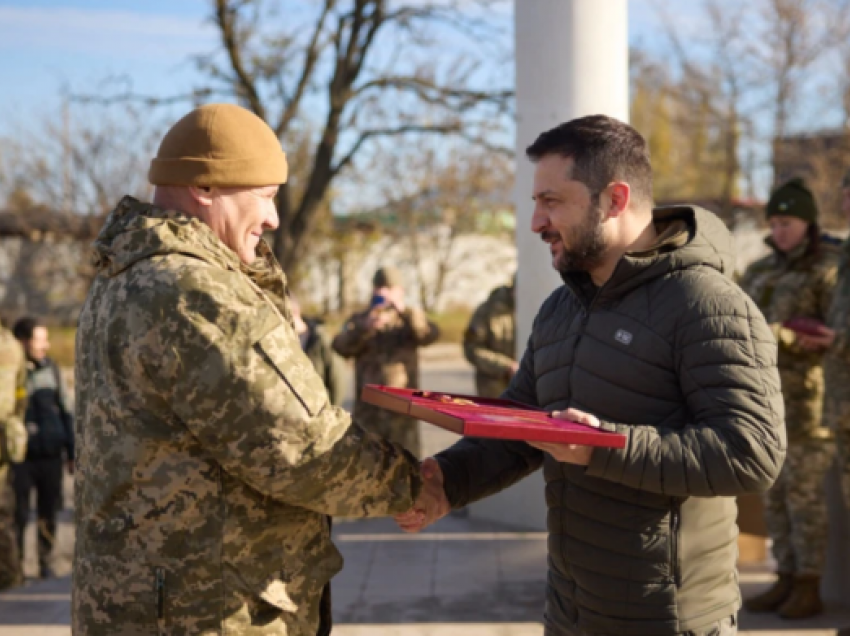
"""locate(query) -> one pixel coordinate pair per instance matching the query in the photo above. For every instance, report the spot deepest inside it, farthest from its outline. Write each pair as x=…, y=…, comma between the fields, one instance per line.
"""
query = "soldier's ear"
x=202, y=195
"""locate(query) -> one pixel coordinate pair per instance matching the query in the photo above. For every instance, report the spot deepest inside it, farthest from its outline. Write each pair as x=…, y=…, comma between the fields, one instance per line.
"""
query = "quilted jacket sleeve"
x=735, y=442
x=475, y=468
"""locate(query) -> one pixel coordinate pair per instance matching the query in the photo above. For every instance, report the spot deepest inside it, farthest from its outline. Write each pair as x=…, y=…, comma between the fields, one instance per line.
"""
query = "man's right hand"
x=431, y=504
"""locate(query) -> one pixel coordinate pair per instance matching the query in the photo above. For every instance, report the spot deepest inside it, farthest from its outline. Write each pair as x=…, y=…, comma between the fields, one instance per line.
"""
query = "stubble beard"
x=585, y=246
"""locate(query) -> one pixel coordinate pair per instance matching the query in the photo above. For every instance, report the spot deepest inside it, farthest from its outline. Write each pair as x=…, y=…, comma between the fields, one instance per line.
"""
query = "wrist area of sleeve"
x=608, y=463
x=452, y=480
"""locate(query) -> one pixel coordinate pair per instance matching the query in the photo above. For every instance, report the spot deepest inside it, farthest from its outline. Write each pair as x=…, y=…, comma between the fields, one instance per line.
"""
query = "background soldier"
x=835, y=339
x=316, y=343
x=489, y=342
x=13, y=446
x=208, y=456
x=384, y=341
x=796, y=281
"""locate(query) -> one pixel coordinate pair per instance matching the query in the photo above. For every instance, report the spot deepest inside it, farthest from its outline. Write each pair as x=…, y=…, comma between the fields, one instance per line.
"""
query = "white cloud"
x=114, y=33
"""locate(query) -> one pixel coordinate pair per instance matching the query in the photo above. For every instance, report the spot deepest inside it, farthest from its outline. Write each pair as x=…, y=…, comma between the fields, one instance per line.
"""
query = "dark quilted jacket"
x=673, y=354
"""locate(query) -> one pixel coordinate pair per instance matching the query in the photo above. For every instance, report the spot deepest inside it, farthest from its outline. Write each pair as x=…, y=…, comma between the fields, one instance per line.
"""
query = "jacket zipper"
x=674, y=544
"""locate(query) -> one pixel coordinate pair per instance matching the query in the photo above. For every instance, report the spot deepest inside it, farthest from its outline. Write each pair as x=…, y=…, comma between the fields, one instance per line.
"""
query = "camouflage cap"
x=793, y=198
x=387, y=277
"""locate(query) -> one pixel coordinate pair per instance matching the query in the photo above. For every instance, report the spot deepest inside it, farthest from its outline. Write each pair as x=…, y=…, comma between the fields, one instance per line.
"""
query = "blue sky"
x=47, y=46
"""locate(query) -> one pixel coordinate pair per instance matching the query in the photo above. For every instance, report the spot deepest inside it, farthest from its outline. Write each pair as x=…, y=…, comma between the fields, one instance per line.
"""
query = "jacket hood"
x=135, y=231
x=688, y=237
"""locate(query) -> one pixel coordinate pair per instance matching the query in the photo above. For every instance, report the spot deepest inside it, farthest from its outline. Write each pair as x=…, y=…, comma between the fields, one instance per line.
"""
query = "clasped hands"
x=432, y=503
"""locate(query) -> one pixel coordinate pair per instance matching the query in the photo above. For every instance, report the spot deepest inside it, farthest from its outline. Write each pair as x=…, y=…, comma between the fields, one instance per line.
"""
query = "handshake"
x=431, y=504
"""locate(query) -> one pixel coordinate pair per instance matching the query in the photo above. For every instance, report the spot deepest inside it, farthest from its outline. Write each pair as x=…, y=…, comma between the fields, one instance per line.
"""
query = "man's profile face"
x=567, y=217
x=37, y=346
x=239, y=216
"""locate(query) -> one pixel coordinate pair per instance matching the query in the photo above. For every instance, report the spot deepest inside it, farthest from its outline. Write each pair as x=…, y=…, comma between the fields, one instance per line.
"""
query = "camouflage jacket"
x=207, y=452
x=13, y=394
x=796, y=285
x=387, y=356
x=489, y=342
x=329, y=366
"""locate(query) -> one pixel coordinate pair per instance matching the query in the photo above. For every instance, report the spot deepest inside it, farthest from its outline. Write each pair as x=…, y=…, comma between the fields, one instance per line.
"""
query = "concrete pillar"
x=571, y=61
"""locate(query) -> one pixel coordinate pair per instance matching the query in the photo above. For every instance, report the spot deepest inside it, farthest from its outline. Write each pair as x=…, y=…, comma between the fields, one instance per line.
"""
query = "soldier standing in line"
x=208, y=456
x=50, y=428
x=796, y=280
x=835, y=341
x=316, y=343
x=13, y=447
x=489, y=342
x=384, y=340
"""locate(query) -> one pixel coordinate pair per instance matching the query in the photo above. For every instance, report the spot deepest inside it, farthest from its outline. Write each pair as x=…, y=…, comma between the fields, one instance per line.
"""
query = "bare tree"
x=352, y=72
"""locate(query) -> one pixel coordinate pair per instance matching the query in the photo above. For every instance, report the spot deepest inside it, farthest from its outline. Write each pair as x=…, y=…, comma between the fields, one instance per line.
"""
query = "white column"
x=572, y=59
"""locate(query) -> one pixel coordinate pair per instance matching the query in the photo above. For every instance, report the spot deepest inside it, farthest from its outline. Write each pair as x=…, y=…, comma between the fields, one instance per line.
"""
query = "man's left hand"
x=570, y=453
x=823, y=341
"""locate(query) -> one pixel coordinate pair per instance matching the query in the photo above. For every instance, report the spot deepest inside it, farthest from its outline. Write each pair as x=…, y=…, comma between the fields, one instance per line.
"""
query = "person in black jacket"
x=649, y=337
x=50, y=431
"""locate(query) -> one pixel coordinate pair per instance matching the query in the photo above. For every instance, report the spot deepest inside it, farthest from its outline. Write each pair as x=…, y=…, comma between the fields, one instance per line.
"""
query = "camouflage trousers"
x=836, y=415
x=795, y=508
x=10, y=562
x=399, y=429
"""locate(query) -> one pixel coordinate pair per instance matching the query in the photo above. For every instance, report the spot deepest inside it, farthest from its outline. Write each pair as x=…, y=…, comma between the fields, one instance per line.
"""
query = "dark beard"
x=585, y=246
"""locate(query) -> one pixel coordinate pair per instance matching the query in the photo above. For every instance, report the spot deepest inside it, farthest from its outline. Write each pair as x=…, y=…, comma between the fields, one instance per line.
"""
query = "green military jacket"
x=208, y=454
x=489, y=342
x=796, y=285
x=329, y=366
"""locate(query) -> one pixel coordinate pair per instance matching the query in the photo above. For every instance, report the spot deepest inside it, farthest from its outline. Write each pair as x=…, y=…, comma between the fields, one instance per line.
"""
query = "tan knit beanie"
x=219, y=145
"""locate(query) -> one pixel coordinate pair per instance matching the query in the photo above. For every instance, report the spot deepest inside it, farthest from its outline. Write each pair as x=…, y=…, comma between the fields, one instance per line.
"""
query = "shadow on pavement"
x=37, y=603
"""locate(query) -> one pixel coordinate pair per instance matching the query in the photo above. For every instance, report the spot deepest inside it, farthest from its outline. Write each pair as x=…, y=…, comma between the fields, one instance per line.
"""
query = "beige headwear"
x=219, y=145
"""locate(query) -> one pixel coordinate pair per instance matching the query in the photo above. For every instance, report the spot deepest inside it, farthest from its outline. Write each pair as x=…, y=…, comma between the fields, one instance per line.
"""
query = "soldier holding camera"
x=384, y=340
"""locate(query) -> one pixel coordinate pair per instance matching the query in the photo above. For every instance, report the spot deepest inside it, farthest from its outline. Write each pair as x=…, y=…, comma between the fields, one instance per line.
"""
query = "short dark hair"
x=24, y=327
x=603, y=150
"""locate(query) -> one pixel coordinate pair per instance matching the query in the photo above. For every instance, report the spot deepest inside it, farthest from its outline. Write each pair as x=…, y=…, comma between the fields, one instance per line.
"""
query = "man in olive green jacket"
x=489, y=342
x=208, y=454
x=648, y=337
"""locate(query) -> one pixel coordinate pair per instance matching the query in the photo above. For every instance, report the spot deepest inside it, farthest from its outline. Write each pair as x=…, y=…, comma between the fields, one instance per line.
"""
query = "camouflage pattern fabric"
x=386, y=356
x=208, y=455
x=329, y=366
x=489, y=342
x=793, y=286
x=795, y=508
x=13, y=446
x=836, y=413
x=790, y=286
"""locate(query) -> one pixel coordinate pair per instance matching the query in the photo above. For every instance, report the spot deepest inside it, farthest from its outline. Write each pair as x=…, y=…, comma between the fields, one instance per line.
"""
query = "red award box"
x=805, y=326
x=485, y=417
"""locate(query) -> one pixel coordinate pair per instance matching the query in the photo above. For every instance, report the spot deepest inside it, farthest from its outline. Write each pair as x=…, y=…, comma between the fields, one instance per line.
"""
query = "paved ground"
x=463, y=577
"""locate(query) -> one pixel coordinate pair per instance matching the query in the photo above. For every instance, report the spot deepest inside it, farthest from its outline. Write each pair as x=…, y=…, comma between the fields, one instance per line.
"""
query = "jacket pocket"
x=675, y=520
x=281, y=348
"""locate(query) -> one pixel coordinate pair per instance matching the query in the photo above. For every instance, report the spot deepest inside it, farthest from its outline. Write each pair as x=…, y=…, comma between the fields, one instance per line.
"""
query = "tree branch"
x=225, y=17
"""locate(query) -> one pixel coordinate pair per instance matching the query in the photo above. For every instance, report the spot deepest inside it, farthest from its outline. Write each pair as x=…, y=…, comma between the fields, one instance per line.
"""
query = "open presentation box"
x=486, y=417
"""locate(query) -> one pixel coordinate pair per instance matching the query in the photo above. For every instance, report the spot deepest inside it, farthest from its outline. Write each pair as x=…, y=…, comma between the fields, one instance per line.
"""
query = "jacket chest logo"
x=623, y=337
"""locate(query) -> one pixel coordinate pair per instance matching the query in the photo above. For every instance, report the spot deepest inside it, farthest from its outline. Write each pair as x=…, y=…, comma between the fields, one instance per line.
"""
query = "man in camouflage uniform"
x=489, y=342
x=795, y=281
x=835, y=340
x=208, y=454
x=384, y=341
x=13, y=446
